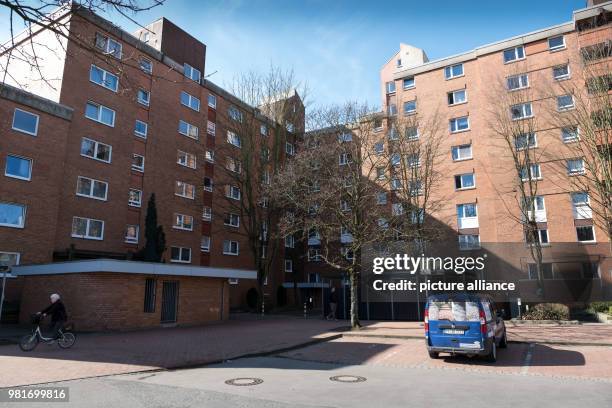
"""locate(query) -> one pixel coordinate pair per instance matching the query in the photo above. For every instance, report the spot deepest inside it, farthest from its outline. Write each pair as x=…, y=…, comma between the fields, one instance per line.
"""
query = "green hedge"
x=547, y=311
x=601, y=307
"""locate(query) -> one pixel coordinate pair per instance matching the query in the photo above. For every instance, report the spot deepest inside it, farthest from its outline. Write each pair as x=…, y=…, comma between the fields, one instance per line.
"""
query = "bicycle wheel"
x=67, y=340
x=28, y=342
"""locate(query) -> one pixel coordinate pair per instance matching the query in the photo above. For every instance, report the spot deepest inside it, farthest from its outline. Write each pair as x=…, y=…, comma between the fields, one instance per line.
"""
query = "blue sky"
x=337, y=47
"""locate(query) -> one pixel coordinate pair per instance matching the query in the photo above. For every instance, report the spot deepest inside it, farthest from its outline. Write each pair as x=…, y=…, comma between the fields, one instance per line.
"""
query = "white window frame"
x=180, y=258
x=234, y=139
x=289, y=149
x=230, y=193
x=105, y=74
x=179, y=222
x=449, y=74
x=190, y=101
x=564, y=76
x=465, y=96
x=99, y=108
x=527, y=174
x=31, y=163
x=458, y=149
x=205, y=243
x=145, y=65
x=92, y=188
x=87, y=229
x=578, y=172
x=212, y=101
x=461, y=179
x=230, y=246
x=209, y=155
x=565, y=107
x=182, y=188
x=528, y=137
x=288, y=265
x=189, y=127
x=381, y=198
x=290, y=241
x=409, y=86
x=211, y=127
x=135, y=167
x=523, y=111
x=17, y=256
x=133, y=203
x=463, y=219
x=589, y=241
x=466, y=245
x=183, y=159
x=206, y=213
x=515, y=54
x=96, y=149
x=146, y=129
x=208, y=188
x=556, y=47
x=523, y=82
x=24, y=210
x=189, y=71
x=231, y=217
x=23, y=130
x=107, y=42
x=454, y=123
x=575, y=129
x=146, y=100
x=413, y=111
x=129, y=240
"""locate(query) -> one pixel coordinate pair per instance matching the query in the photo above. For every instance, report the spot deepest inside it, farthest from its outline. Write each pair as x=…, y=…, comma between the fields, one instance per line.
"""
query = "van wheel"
x=492, y=356
x=503, y=343
x=434, y=354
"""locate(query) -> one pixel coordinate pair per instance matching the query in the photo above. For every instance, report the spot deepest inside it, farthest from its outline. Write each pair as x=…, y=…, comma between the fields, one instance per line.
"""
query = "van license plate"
x=453, y=331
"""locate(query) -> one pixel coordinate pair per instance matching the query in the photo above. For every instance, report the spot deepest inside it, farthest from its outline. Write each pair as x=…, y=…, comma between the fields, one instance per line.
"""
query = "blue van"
x=463, y=323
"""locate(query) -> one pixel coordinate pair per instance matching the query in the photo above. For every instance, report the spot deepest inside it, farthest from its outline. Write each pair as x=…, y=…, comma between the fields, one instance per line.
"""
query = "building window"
x=467, y=216
x=392, y=109
x=180, y=254
x=344, y=159
x=263, y=129
x=108, y=45
x=533, y=173
x=345, y=137
x=409, y=107
x=379, y=147
x=289, y=149
x=465, y=181
x=231, y=247
x=569, y=134
x=457, y=97
x=212, y=101
x=234, y=165
x=9, y=258
x=138, y=162
x=140, y=129
x=233, y=281
x=12, y=215
x=556, y=43
x=381, y=173
x=413, y=160
x=514, y=54
x=521, y=111
x=211, y=128
x=525, y=141
x=234, y=114
x=100, y=114
x=517, y=82
x=190, y=101
x=575, y=167
x=135, y=198
x=103, y=78
x=396, y=184
x=205, y=243
x=397, y=209
x=412, y=133
x=453, y=71
x=232, y=192
x=600, y=84
x=145, y=65
x=565, y=102
x=581, y=206
x=231, y=220
x=25, y=122
x=266, y=178
x=459, y=124
x=314, y=255
x=192, y=73
x=561, y=72
x=87, y=228
x=91, y=188
x=131, y=234
x=234, y=139
x=182, y=222
x=390, y=87
x=461, y=152
x=415, y=188
x=381, y=198
x=265, y=154
x=585, y=233
x=186, y=159
x=392, y=133
x=149, y=297
x=408, y=83
x=396, y=159
x=207, y=213
x=467, y=242
x=184, y=190
x=96, y=150
x=596, y=51
x=144, y=97
x=208, y=184
x=188, y=129
x=288, y=265
x=209, y=156
x=18, y=167
x=289, y=241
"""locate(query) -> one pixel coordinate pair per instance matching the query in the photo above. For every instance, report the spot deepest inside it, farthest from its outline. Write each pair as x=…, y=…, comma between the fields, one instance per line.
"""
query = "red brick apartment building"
x=478, y=174
x=123, y=116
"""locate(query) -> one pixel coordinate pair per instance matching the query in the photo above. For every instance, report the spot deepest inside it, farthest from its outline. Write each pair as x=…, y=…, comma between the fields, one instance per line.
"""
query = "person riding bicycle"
x=57, y=310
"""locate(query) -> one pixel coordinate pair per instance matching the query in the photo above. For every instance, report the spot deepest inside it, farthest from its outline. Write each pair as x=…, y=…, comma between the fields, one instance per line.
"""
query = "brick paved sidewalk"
x=124, y=352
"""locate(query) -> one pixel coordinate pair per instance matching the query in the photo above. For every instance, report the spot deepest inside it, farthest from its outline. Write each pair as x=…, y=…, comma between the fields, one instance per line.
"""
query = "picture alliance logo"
x=427, y=264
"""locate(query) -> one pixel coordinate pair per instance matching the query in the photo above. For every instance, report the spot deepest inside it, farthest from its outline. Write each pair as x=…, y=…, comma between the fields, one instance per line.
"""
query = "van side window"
x=487, y=310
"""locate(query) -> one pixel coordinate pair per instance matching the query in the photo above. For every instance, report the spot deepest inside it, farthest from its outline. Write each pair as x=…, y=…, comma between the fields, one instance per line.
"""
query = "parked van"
x=464, y=323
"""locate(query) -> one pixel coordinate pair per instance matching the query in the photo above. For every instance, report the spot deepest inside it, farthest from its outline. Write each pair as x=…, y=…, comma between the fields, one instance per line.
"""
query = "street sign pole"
x=5, y=270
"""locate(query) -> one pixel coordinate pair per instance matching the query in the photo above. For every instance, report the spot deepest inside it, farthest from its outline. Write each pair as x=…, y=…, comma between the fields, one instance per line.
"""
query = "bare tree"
x=330, y=189
x=41, y=31
x=514, y=125
x=583, y=113
x=260, y=125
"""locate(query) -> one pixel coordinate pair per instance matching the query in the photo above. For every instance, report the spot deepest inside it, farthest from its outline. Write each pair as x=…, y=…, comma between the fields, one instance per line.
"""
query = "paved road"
x=398, y=373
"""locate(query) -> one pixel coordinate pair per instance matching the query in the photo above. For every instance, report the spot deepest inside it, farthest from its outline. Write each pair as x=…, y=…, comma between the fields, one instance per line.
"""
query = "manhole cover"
x=241, y=382
x=348, y=378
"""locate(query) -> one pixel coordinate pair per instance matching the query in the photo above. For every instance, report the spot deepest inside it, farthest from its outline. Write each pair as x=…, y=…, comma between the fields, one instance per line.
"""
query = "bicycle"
x=30, y=341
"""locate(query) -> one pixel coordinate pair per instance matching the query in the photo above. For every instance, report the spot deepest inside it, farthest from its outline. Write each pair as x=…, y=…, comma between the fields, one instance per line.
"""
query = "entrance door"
x=169, y=301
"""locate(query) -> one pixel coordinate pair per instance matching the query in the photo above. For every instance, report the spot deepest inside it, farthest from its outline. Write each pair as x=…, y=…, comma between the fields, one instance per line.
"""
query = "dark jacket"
x=56, y=310
x=333, y=297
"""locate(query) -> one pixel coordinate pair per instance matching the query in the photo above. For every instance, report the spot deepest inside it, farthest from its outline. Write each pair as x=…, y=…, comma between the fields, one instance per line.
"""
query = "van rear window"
x=454, y=311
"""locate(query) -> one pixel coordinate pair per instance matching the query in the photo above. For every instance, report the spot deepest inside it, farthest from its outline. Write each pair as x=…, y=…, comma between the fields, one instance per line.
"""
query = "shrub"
x=252, y=298
x=547, y=311
x=601, y=307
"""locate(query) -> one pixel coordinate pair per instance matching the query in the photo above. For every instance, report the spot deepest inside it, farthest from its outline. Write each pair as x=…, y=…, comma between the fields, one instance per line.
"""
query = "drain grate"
x=243, y=382
x=347, y=378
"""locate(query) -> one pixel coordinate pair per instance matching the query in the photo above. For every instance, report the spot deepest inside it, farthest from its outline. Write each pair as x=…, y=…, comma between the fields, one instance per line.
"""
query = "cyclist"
x=57, y=310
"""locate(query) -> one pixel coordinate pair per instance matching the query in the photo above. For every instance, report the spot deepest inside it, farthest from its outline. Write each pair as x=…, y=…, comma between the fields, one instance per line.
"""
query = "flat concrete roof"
x=26, y=98
x=131, y=267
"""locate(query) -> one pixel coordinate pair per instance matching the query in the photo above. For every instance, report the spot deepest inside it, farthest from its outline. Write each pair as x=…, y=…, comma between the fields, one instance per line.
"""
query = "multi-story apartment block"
x=120, y=117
